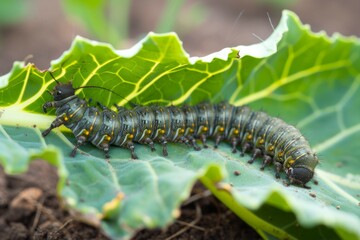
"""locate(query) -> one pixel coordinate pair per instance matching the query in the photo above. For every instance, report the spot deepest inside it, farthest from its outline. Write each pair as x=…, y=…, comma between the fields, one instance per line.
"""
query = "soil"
x=29, y=207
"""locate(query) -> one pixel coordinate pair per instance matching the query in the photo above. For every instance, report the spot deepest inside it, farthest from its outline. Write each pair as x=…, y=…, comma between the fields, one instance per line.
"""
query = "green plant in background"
x=279, y=3
x=12, y=11
x=169, y=17
x=172, y=19
x=291, y=74
x=108, y=20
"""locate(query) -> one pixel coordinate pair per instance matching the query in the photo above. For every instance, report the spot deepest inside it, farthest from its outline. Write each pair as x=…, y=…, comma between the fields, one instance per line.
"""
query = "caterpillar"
x=252, y=132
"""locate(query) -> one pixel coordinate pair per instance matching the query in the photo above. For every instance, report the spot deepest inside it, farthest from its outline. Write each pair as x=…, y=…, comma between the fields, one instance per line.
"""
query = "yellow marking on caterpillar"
x=300, y=157
x=71, y=115
x=249, y=137
x=93, y=122
x=179, y=132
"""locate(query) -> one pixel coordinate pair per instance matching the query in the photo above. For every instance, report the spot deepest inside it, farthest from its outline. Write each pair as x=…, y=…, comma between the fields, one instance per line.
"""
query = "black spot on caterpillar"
x=252, y=132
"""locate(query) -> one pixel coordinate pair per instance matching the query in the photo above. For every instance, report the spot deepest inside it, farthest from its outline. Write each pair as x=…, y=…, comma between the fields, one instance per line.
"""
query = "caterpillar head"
x=299, y=175
x=62, y=91
x=301, y=171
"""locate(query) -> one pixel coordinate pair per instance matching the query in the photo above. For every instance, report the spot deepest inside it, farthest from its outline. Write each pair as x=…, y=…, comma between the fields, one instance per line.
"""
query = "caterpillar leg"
x=234, y=143
x=217, y=140
x=203, y=140
x=267, y=160
x=149, y=142
x=245, y=148
x=105, y=148
x=298, y=182
x=131, y=147
x=257, y=153
x=56, y=123
x=53, y=104
x=80, y=141
x=185, y=140
x=192, y=142
x=163, y=143
x=48, y=105
x=278, y=167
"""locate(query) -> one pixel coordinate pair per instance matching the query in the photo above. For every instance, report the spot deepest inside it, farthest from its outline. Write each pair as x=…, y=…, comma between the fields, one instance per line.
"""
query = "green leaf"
x=309, y=80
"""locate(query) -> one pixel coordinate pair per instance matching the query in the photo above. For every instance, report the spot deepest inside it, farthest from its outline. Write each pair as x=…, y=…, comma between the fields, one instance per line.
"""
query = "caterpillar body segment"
x=249, y=131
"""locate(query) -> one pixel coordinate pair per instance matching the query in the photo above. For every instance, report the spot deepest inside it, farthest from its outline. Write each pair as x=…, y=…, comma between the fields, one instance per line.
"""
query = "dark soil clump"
x=30, y=209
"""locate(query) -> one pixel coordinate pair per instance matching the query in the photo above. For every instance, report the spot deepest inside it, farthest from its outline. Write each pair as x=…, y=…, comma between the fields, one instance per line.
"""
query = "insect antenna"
x=54, y=78
x=109, y=90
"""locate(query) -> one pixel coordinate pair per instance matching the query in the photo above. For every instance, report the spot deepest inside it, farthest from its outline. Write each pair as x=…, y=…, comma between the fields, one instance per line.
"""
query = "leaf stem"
x=246, y=215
